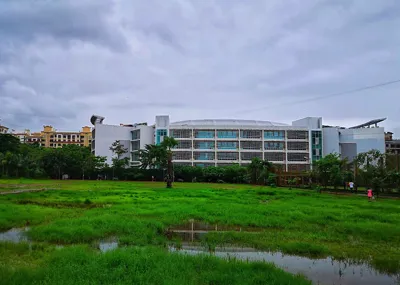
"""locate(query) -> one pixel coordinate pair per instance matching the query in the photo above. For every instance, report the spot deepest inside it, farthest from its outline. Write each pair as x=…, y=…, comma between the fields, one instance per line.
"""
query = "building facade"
x=50, y=137
x=392, y=145
x=349, y=142
x=3, y=129
x=218, y=142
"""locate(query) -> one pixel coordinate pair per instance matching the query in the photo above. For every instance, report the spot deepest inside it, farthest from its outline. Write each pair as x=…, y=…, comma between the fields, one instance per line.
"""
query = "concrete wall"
x=366, y=138
x=348, y=150
x=106, y=135
x=330, y=141
x=350, y=142
x=313, y=123
x=146, y=135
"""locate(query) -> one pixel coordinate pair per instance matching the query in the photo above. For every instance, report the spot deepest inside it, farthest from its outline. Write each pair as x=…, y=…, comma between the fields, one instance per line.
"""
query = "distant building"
x=218, y=142
x=349, y=142
x=392, y=146
x=224, y=142
x=3, y=129
x=49, y=137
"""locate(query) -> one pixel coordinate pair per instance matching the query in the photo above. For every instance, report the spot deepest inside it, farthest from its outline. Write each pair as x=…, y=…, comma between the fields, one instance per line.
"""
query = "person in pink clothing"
x=369, y=194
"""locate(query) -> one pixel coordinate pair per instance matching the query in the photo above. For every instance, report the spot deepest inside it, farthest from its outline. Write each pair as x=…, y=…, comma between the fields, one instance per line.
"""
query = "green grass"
x=292, y=221
x=80, y=265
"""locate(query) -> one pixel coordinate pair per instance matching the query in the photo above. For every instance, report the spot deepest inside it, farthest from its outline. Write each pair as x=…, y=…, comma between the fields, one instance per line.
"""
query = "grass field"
x=296, y=222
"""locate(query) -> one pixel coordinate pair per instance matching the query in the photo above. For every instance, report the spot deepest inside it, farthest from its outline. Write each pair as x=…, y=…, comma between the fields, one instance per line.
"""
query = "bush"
x=87, y=202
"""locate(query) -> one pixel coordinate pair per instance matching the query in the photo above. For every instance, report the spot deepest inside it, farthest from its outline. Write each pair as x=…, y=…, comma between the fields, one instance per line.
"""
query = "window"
x=206, y=134
x=135, y=145
x=204, y=155
x=274, y=145
x=136, y=135
x=297, y=135
x=274, y=156
x=204, y=145
x=227, y=134
x=297, y=145
x=227, y=145
x=250, y=155
x=160, y=134
x=227, y=155
x=275, y=135
x=182, y=155
x=250, y=134
x=184, y=145
x=251, y=145
x=297, y=157
x=181, y=134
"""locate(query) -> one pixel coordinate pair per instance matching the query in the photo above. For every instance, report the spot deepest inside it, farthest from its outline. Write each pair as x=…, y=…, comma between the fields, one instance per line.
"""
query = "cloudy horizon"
x=61, y=62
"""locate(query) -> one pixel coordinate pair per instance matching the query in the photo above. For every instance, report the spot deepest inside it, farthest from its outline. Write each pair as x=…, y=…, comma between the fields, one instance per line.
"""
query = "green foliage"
x=32, y=161
x=375, y=170
x=259, y=170
x=80, y=265
x=331, y=170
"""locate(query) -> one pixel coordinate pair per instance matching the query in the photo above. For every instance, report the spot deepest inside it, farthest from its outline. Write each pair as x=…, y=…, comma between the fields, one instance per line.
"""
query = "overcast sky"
x=62, y=61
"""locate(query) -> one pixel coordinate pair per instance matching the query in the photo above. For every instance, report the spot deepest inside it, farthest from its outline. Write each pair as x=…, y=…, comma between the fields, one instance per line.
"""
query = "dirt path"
x=19, y=191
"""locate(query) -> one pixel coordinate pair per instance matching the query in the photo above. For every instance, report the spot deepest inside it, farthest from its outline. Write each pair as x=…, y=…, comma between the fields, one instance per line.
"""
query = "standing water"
x=320, y=271
x=14, y=235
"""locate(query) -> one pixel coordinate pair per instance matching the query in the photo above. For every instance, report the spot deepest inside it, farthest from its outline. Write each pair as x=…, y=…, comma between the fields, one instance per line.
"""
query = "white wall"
x=365, y=138
x=330, y=141
x=313, y=123
x=146, y=135
x=106, y=135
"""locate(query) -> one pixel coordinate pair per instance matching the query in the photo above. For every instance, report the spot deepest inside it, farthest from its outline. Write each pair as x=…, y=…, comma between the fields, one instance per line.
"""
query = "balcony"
x=274, y=135
x=227, y=145
x=204, y=134
x=227, y=134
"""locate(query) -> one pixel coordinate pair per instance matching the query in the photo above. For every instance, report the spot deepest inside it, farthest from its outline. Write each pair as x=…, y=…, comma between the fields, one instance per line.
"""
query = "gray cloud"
x=131, y=60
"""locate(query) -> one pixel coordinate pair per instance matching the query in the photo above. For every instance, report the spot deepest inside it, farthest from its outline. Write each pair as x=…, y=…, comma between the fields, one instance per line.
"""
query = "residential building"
x=3, y=129
x=392, y=145
x=50, y=137
x=349, y=142
x=218, y=142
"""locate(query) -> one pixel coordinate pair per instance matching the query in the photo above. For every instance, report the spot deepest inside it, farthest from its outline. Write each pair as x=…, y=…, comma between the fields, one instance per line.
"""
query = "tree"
x=330, y=170
x=167, y=144
x=259, y=170
x=118, y=160
x=373, y=170
x=159, y=156
x=9, y=143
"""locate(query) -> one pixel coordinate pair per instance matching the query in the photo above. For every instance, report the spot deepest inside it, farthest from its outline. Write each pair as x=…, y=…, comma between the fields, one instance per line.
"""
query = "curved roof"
x=96, y=119
x=369, y=123
x=227, y=122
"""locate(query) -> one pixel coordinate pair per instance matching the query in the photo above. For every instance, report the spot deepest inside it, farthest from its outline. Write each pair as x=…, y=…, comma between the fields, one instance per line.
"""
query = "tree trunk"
x=169, y=171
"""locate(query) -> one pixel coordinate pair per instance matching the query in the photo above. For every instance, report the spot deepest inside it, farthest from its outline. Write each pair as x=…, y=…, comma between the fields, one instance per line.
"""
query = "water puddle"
x=320, y=271
x=108, y=244
x=15, y=235
x=194, y=231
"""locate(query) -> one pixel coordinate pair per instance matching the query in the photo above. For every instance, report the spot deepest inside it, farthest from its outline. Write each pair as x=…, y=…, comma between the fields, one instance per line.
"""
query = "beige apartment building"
x=50, y=137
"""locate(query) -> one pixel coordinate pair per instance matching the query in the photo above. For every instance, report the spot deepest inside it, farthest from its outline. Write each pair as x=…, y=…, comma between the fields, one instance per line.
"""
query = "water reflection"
x=319, y=271
x=108, y=244
x=15, y=235
x=194, y=231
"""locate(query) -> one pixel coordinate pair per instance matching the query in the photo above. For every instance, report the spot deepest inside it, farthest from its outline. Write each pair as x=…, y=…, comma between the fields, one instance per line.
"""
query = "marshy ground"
x=104, y=232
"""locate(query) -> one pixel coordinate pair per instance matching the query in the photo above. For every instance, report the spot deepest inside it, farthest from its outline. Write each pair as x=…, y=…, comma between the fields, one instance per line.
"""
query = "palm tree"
x=167, y=144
